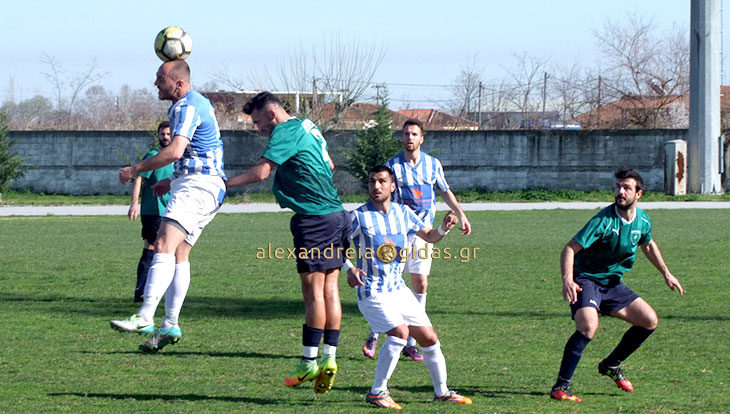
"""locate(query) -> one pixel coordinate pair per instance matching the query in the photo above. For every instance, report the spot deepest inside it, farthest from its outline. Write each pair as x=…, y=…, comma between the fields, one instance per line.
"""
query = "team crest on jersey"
x=635, y=236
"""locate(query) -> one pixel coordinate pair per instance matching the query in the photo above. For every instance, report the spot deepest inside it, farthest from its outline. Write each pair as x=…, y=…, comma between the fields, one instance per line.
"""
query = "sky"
x=425, y=43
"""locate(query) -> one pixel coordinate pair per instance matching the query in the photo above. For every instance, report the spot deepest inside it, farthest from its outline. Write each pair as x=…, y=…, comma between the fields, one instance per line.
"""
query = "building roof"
x=435, y=120
x=648, y=111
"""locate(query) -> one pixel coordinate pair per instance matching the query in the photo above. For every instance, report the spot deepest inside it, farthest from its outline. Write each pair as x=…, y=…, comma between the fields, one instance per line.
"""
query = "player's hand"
x=354, y=277
x=126, y=174
x=673, y=282
x=161, y=188
x=133, y=211
x=450, y=221
x=465, y=225
x=570, y=291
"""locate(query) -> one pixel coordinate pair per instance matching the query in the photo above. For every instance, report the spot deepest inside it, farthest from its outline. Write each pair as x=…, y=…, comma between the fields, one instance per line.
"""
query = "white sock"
x=329, y=350
x=310, y=352
x=373, y=334
x=158, y=279
x=387, y=360
x=436, y=365
x=175, y=294
x=421, y=298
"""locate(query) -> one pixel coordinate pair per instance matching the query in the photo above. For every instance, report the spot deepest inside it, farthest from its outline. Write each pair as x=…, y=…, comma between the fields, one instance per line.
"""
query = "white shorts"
x=385, y=311
x=417, y=250
x=194, y=201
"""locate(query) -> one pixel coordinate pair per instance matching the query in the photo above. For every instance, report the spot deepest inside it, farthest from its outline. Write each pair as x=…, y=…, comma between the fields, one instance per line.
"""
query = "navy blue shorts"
x=320, y=241
x=150, y=226
x=604, y=298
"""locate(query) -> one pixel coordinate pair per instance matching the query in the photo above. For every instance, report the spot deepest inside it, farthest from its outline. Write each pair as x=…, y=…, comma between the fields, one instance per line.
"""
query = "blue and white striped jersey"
x=415, y=184
x=193, y=117
x=370, y=229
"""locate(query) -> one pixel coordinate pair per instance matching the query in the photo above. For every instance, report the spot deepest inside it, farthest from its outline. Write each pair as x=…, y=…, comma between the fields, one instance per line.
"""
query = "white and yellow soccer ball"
x=173, y=43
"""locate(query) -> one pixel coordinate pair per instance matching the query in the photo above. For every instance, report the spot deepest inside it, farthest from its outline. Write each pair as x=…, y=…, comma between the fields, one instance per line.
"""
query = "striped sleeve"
x=414, y=224
x=185, y=120
x=355, y=224
x=439, y=178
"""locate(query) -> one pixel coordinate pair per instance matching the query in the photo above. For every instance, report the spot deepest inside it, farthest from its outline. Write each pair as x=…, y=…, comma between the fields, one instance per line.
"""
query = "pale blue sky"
x=426, y=42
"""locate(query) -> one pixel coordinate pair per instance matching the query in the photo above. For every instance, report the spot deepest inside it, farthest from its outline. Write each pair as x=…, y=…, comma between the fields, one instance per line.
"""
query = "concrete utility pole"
x=704, y=140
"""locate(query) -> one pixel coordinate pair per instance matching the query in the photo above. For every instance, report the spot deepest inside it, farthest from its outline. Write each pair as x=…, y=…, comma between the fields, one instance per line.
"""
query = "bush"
x=10, y=163
x=374, y=144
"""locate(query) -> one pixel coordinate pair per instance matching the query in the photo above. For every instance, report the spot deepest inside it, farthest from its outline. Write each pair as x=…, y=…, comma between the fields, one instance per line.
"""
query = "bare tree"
x=221, y=75
x=648, y=71
x=338, y=75
x=33, y=113
x=528, y=82
x=68, y=88
x=465, y=89
x=496, y=103
x=571, y=91
x=332, y=77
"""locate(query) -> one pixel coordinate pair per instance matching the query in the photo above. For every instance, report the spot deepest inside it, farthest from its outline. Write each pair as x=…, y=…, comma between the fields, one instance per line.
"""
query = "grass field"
x=500, y=318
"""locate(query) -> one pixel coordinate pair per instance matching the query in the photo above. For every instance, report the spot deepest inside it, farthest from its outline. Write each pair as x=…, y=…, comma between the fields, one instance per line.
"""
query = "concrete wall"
x=87, y=162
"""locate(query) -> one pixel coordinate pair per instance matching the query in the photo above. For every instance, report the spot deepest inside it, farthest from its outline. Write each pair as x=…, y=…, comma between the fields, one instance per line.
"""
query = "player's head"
x=412, y=135
x=163, y=134
x=173, y=80
x=381, y=183
x=264, y=108
x=629, y=187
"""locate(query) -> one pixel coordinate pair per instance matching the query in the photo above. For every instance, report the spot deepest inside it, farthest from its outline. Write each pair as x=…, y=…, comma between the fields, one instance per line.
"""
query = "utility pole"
x=378, y=87
x=703, y=149
x=479, y=106
x=314, y=92
x=598, y=104
x=544, y=94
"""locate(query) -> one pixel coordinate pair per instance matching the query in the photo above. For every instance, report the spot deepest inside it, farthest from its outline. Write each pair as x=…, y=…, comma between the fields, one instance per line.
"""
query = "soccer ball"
x=173, y=43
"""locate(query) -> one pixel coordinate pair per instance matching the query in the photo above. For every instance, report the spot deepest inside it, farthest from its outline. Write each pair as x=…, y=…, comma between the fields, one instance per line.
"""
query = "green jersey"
x=609, y=244
x=151, y=205
x=303, y=180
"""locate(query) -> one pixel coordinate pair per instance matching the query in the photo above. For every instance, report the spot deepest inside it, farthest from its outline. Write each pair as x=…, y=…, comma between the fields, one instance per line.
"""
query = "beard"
x=380, y=198
x=624, y=204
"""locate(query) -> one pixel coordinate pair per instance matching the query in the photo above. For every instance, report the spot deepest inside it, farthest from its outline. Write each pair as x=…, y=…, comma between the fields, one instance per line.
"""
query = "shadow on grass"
x=200, y=306
x=532, y=315
x=468, y=391
x=492, y=393
x=172, y=353
x=167, y=397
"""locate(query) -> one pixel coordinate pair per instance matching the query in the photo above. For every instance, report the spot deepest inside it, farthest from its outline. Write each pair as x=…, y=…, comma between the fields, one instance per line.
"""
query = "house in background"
x=639, y=111
x=435, y=120
x=522, y=120
x=331, y=115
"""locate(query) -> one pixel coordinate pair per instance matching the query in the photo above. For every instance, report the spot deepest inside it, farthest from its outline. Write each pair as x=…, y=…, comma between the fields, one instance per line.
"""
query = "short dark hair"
x=260, y=100
x=381, y=168
x=416, y=122
x=163, y=124
x=627, y=172
x=179, y=70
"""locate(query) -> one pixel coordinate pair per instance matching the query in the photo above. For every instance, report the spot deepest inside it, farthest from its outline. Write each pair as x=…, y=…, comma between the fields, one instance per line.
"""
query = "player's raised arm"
x=258, y=172
x=435, y=235
x=651, y=250
x=167, y=155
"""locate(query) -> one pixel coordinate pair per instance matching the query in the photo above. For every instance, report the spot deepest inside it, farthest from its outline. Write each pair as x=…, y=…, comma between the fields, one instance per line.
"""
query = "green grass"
x=27, y=197
x=500, y=318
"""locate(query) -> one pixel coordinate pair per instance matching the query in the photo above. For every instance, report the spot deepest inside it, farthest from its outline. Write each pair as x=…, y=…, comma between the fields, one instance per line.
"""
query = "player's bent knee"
x=429, y=340
x=400, y=331
x=651, y=322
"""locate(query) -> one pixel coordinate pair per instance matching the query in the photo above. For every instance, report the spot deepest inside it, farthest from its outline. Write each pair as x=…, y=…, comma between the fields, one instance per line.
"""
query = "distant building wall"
x=88, y=162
